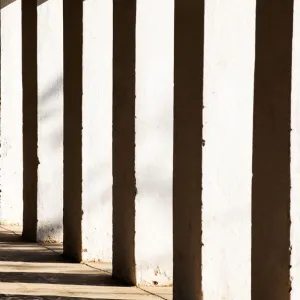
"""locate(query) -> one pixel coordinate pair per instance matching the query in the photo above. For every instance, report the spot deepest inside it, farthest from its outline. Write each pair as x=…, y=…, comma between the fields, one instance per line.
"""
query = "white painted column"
x=227, y=152
x=11, y=203
x=97, y=131
x=154, y=142
x=50, y=120
x=295, y=159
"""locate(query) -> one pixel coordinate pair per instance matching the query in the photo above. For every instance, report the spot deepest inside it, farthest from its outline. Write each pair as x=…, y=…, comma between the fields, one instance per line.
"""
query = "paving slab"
x=30, y=271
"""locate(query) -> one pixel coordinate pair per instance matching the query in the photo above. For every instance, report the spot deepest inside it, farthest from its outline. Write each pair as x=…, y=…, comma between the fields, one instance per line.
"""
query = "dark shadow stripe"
x=124, y=185
x=73, y=39
x=29, y=80
x=187, y=172
x=271, y=151
x=83, y=279
x=23, y=297
x=5, y=3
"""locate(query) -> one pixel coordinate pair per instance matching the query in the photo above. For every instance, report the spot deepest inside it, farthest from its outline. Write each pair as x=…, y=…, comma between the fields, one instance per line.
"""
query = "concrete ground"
x=37, y=272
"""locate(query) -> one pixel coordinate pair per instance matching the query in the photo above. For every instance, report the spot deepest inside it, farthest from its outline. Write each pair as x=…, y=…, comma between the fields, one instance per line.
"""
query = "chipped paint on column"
x=50, y=120
x=295, y=159
x=227, y=157
x=154, y=141
x=11, y=113
x=97, y=131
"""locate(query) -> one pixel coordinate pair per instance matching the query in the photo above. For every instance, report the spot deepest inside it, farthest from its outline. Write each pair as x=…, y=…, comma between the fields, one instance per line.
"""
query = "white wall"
x=97, y=126
x=227, y=156
x=228, y=114
x=50, y=121
x=11, y=202
x=97, y=131
x=154, y=141
x=295, y=159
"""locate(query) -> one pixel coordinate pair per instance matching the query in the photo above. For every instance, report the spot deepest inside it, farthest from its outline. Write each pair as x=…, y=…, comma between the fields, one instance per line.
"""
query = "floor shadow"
x=99, y=279
x=23, y=297
x=29, y=256
x=22, y=262
x=13, y=248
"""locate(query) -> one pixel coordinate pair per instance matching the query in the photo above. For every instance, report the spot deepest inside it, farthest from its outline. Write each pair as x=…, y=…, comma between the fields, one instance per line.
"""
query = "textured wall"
x=227, y=157
x=11, y=113
x=229, y=59
x=97, y=130
x=154, y=141
x=50, y=121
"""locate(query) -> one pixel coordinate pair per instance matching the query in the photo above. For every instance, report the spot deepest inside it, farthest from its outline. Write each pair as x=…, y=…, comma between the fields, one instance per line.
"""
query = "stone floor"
x=38, y=272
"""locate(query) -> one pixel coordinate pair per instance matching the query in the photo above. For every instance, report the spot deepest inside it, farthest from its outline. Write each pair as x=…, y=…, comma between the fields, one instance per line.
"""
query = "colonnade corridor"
x=30, y=271
x=155, y=140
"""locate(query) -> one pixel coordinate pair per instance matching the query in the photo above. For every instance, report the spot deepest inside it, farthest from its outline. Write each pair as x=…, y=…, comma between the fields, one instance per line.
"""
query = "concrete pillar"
x=295, y=159
x=227, y=152
x=72, y=30
x=97, y=131
x=154, y=141
x=124, y=186
x=11, y=206
x=50, y=120
x=187, y=171
x=271, y=182
x=29, y=78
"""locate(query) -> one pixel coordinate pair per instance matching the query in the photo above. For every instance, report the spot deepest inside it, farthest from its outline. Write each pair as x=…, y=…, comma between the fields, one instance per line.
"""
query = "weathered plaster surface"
x=228, y=115
x=50, y=121
x=154, y=141
x=227, y=157
x=97, y=131
x=11, y=114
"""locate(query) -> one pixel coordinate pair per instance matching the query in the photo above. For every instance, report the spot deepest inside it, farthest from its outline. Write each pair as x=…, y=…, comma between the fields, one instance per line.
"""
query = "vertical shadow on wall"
x=187, y=172
x=124, y=185
x=30, y=97
x=271, y=151
x=73, y=39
